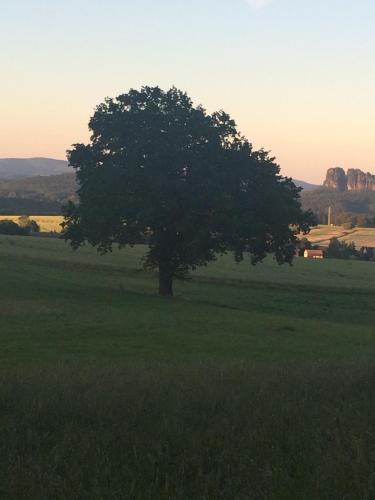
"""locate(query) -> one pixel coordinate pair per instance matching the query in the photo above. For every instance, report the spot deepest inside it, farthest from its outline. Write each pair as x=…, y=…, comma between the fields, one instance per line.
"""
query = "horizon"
x=296, y=77
x=294, y=178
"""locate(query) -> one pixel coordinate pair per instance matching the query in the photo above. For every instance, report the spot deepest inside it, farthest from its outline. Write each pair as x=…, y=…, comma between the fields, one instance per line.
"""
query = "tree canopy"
x=29, y=225
x=160, y=170
x=341, y=249
x=10, y=227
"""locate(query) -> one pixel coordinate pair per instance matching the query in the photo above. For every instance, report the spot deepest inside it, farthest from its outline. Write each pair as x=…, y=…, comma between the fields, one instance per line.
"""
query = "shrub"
x=341, y=250
x=302, y=245
x=11, y=228
x=28, y=224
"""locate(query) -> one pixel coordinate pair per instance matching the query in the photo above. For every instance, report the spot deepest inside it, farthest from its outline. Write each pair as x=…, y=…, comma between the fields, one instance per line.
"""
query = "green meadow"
x=251, y=383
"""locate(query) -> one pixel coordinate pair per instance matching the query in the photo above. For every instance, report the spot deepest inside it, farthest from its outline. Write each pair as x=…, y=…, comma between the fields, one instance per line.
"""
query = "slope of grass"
x=252, y=383
x=60, y=304
x=323, y=233
x=360, y=236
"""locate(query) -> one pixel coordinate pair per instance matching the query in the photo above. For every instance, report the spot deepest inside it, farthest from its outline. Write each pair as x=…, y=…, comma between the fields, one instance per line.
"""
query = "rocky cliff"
x=353, y=180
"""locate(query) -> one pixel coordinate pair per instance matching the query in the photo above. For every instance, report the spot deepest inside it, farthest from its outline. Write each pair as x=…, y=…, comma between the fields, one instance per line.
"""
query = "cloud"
x=258, y=4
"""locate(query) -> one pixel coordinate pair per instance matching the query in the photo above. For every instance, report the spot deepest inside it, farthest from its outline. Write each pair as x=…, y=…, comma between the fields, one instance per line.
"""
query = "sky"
x=298, y=76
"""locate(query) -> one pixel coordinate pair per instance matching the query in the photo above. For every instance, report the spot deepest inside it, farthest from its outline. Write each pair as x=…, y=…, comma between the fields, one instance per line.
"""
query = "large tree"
x=158, y=169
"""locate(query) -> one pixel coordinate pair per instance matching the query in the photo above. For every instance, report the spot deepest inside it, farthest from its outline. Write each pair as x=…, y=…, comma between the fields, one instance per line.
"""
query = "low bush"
x=12, y=228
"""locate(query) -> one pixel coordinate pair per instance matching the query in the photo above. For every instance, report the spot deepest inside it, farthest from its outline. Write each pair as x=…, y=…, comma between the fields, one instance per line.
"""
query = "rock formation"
x=359, y=181
x=336, y=179
x=353, y=180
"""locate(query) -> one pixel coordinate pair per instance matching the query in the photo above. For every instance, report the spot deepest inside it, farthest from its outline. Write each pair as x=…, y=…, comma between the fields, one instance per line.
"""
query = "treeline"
x=24, y=227
x=355, y=208
x=42, y=195
x=337, y=250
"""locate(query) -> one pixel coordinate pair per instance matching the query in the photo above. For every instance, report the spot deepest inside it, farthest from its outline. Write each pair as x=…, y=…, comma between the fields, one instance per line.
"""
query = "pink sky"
x=298, y=77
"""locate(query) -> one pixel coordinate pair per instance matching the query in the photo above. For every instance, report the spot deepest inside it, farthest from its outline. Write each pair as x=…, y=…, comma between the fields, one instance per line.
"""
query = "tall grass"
x=197, y=431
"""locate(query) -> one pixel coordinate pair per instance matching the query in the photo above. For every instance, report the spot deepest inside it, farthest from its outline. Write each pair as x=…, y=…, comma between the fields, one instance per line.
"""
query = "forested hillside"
x=37, y=195
x=353, y=207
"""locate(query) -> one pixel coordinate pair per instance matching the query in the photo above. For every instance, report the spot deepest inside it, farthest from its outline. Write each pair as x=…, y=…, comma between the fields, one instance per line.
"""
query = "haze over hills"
x=17, y=168
x=306, y=186
x=43, y=185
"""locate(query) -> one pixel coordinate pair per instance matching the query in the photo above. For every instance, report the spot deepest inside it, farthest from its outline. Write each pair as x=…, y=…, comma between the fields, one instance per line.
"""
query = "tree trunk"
x=165, y=281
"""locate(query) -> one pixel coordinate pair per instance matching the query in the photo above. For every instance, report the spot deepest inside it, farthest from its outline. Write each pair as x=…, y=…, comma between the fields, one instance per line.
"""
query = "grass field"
x=252, y=383
x=47, y=223
x=360, y=236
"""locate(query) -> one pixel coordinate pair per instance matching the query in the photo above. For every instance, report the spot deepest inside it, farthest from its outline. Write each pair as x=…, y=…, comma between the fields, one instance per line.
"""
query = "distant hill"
x=16, y=168
x=58, y=188
x=305, y=185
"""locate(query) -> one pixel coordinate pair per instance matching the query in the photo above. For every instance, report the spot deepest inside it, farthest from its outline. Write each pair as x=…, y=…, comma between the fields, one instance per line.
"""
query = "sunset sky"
x=298, y=76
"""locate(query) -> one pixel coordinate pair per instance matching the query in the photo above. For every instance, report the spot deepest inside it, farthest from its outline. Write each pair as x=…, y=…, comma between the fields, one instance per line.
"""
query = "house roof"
x=312, y=253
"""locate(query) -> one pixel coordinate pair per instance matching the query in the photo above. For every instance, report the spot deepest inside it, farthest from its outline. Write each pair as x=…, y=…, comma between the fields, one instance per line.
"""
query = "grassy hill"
x=360, y=236
x=250, y=383
x=119, y=296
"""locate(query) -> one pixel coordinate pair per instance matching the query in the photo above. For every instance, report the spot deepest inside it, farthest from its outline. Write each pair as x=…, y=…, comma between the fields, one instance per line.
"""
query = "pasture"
x=251, y=383
x=360, y=236
x=47, y=223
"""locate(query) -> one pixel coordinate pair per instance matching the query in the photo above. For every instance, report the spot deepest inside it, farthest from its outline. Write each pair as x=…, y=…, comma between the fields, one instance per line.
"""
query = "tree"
x=366, y=253
x=11, y=228
x=302, y=245
x=28, y=224
x=340, y=249
x=160, y=169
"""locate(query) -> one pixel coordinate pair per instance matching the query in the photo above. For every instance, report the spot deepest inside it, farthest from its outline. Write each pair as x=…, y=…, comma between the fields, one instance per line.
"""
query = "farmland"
x=252, y=382
x=361, y=236
x=47, y=223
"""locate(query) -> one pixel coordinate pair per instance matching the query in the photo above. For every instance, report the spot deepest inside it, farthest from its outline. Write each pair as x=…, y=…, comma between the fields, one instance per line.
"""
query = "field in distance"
x=47, y=223
x=318, y=235
x=360, y=236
